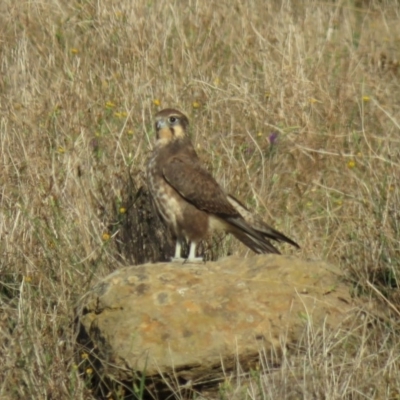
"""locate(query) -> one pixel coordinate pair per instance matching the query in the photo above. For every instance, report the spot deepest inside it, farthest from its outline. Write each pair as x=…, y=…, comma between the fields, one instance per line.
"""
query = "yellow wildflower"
x=196, y=104
x=130, y=132
x=156, y=102
x=74, y=50
x=120, y=114
x=89, y=371
x=105, y=236
x=84, y=356
x=366, y=99
x=122, y=210
x=110, y=104
x=61, y=150
x=351, y=164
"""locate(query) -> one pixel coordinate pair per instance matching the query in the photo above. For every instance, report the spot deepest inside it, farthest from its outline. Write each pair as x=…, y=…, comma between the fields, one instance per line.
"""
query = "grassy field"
x=294, y=106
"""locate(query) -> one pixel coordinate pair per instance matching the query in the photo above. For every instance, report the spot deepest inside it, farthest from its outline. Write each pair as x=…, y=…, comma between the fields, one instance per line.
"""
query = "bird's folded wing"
x=197, y=186
x=256, y=222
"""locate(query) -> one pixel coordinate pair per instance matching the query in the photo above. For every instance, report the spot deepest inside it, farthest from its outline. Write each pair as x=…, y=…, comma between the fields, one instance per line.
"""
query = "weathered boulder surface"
x=191, y=319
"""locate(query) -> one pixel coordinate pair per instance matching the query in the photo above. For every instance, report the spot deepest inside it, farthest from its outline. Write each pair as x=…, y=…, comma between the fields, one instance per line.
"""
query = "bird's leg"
x=178, y=249
x=192, y=255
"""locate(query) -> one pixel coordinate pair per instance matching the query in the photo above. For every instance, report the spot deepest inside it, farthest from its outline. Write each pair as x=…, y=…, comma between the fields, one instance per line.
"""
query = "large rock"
x=188, y=320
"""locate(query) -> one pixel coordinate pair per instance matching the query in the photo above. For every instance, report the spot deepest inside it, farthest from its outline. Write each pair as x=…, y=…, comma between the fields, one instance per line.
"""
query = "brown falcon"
x=190, y=200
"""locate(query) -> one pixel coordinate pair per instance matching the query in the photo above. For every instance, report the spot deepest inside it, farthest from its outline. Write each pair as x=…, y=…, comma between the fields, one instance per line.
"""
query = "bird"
x=191, y=202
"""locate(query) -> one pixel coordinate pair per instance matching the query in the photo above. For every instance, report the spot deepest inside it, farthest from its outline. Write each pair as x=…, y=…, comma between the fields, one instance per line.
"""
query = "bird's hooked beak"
x=160, y=124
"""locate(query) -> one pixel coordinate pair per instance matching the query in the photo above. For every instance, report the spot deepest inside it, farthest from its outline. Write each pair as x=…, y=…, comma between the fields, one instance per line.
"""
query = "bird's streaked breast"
x=164, y=196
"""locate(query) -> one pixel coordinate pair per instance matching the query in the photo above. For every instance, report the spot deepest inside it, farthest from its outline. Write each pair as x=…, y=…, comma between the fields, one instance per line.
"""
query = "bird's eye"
x=172, y=119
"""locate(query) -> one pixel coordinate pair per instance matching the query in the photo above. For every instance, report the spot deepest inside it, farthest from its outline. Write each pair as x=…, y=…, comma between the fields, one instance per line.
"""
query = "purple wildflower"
x=273, y=137
x=94, y=144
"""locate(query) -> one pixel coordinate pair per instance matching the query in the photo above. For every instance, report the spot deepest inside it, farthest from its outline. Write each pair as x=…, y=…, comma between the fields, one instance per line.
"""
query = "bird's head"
x=170, y=125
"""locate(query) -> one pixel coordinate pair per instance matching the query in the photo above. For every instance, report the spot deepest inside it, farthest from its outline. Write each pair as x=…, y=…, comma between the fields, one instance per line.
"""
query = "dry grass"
x=79, y=84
